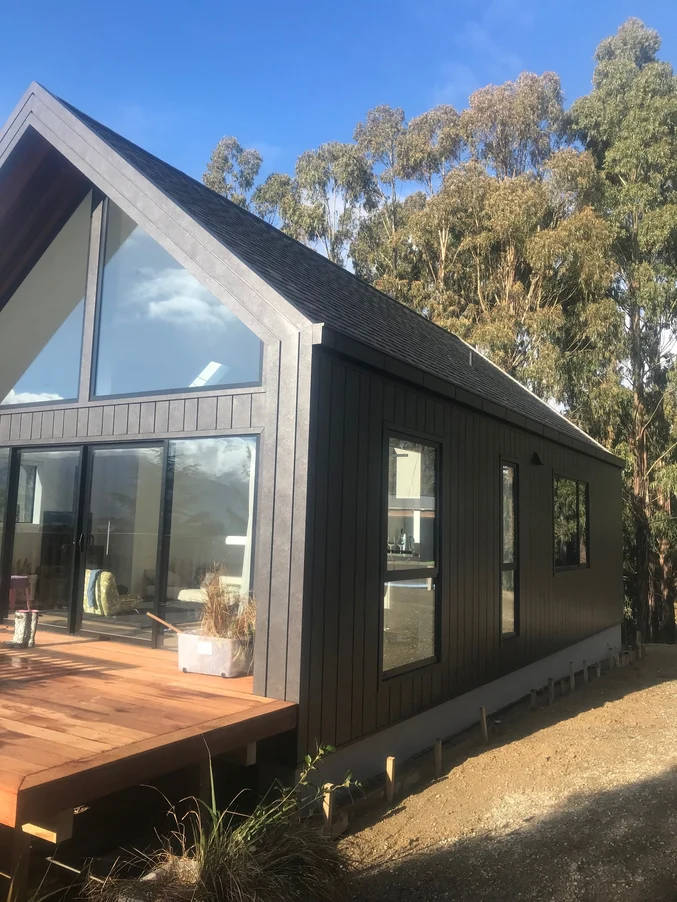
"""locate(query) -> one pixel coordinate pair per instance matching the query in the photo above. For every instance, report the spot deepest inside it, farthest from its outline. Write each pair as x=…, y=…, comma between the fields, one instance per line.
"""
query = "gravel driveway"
x=577, y=801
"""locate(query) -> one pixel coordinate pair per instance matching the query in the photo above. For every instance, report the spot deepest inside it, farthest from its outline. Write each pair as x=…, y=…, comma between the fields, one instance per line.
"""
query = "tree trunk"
x=666, y=614
x=640, y=484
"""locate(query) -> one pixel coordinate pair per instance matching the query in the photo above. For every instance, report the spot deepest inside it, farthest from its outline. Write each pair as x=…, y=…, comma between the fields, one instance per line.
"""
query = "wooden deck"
x=81, y=718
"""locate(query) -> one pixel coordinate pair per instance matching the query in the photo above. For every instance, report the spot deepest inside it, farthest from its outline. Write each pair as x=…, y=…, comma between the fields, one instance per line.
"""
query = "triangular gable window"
x=159, y=329
x=41, y=324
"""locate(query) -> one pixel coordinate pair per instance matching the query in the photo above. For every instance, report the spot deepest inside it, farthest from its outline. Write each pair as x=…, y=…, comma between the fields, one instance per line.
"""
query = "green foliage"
x=232, y=170
x=546, y=239
x=275, y=854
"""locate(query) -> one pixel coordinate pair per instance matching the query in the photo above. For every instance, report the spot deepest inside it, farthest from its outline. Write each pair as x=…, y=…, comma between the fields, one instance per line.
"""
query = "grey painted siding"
x=137, y=419
x=343, y=696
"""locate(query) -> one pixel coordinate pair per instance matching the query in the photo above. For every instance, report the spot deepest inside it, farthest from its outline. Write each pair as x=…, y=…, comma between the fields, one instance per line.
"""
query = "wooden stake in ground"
x=328, y=806
x=598, y=668
x=483, y=723
x=551, y=691
x=533, y=699
x=438, y=758
x=585, y=671
x=390, y=780
x=639, y=646
x=572, y=676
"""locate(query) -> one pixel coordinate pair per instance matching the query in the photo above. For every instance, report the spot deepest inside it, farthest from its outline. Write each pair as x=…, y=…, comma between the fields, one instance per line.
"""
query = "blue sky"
x=284, y=77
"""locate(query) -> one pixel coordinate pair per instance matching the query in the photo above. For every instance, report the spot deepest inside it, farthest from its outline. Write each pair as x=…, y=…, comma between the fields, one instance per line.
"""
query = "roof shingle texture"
x=327, y=293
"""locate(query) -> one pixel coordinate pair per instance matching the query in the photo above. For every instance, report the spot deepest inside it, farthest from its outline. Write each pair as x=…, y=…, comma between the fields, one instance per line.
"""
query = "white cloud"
x=28, y=397
x=173, y=295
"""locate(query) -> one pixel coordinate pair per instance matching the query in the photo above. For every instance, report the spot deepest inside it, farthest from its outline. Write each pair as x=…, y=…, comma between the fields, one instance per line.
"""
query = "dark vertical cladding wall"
x=343, y=694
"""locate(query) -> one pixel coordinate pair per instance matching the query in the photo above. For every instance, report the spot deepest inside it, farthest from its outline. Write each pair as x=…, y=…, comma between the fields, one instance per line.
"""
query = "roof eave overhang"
x=349, y=347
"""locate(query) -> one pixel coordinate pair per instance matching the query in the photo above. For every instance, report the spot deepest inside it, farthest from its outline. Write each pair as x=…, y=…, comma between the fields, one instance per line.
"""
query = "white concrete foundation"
x=366, y=757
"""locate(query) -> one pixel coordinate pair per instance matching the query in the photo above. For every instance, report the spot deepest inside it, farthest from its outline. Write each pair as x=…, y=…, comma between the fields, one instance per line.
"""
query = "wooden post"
x=534, y=702
x=585, y=672
x=616, y=661
x=390, y=780
x=572, y=676
x=639, y=645
x=328, y=806
x=483, y=723
x=438, y=758
x=551, y=691
x=598, y=668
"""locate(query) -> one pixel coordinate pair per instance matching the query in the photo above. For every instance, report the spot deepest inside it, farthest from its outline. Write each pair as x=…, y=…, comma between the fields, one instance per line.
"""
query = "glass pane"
x=41, y=324
x=122, y=540
x=159, y=329
x=508, y=602
x=566, y=525
x=44, y=534
x=4, y=475
x=508, y=514
x=408, y=622
x=212, y=523
x=412, y=490
x=583, y=514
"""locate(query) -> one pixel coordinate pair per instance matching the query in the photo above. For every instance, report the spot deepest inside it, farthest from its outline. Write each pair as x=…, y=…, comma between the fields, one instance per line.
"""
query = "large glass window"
x=411, y=554
x=159, y=329
x=509, y=550
x=41, y=324
x=572, y=516
x=122, y=517
x=210, y=493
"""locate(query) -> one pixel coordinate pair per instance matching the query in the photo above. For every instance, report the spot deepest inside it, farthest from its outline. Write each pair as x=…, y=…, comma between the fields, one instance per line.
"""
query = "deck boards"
x=80, y=718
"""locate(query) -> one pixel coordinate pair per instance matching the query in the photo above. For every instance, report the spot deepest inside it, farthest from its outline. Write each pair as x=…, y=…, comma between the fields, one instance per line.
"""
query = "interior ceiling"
x=39, y=189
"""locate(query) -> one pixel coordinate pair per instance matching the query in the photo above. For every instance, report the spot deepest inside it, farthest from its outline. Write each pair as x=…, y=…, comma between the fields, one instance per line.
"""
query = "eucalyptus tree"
x=628, y=122
x=232, y=170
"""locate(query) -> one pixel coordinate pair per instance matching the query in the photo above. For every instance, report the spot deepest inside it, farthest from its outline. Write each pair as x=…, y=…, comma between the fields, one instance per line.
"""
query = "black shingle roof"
x=327, y=293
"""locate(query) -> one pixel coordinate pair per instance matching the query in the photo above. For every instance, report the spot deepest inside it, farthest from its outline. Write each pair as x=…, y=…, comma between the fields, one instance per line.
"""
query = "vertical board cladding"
x=343, y=696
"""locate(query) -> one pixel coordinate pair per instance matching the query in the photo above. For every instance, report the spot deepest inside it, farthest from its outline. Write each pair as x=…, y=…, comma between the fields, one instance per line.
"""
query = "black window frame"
x=389, y=576
x=585, y=484
x=513, y=566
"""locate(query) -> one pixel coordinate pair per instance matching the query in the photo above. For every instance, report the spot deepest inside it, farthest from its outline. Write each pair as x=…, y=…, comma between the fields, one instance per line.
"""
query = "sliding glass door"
x=98, y=537
x=44, y=526
x=122, y=513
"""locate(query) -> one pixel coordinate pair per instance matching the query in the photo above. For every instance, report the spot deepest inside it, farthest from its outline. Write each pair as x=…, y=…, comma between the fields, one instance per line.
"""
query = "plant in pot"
x=224, y=644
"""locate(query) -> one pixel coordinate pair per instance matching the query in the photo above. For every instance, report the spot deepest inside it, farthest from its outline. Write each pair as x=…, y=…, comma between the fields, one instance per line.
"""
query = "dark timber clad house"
x=182, y=384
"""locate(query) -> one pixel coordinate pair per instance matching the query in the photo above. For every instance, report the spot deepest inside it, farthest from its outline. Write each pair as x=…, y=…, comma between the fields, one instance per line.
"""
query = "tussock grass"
x=276, y=854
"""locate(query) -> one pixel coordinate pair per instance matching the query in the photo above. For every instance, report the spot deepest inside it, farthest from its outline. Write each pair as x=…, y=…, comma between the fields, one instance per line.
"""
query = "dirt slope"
x=572, y=802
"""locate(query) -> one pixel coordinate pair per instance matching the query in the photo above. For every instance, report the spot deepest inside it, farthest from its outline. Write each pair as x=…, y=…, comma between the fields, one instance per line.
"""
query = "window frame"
x=388, y=576
x=562, y=568
x=515, y=566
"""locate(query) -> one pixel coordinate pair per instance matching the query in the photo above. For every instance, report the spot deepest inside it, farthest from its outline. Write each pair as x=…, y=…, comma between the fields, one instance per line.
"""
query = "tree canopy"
x=544, y=236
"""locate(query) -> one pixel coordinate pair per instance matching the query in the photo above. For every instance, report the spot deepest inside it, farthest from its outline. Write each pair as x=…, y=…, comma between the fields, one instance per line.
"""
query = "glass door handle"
x=82, y=542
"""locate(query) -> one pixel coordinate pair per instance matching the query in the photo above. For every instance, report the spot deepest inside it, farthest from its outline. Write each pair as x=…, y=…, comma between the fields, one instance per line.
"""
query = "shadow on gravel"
x=619, y=845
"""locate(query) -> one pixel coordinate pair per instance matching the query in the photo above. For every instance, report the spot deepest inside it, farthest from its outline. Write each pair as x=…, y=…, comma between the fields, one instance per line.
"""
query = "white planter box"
x=218, y=657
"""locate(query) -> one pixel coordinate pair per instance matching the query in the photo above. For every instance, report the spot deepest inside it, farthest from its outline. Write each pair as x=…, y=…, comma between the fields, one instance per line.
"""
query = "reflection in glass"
x=211, y=496
x=408, y=622
x=159, y=328
x=583, y=509
x=508, y=625
x=41, y=324
x=411, y=505
x=571, y=509
x=44, y=533
x=508, y=514
x=122, y=540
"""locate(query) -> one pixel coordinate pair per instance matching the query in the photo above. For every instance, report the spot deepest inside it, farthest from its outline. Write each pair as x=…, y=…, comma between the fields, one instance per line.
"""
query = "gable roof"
x=328, y=294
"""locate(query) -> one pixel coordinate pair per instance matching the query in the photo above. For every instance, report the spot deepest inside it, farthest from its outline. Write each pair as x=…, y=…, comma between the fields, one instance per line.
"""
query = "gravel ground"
x=577, y=801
